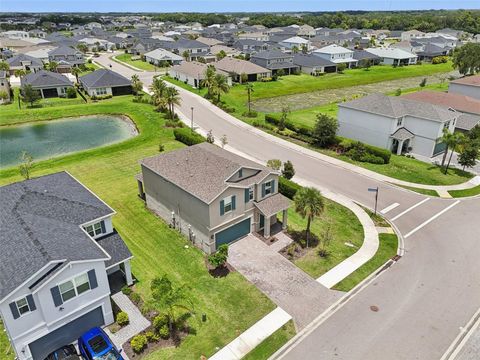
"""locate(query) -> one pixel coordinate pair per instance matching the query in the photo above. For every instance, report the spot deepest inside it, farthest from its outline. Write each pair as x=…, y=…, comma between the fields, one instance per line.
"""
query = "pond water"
x=59, y=137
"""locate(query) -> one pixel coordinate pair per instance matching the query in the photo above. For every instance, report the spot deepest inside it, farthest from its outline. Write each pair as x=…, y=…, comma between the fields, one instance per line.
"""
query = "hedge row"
x=275, y=120
x=186, y=136
x=384, y=154
x=287, y=187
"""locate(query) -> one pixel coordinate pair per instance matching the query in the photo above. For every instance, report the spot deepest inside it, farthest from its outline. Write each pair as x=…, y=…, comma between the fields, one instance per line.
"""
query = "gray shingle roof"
x=273, y=54
x=40, y=221
x=273, y=204
x=396, y=107
x=402, y=134
x=103, y=78
x=18, y=59
x=113, y=244
x=311, y=60
x=467, y=122
x=364, y=55
x=45, y=78
x=203, y=169
x=63, y=50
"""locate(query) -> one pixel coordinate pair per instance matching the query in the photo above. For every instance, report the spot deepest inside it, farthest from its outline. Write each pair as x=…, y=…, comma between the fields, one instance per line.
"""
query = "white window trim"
x=94, y=236
x=225, y=203
x=251, y=193
x=268, y=186
x=18, y=309
x=72, y=279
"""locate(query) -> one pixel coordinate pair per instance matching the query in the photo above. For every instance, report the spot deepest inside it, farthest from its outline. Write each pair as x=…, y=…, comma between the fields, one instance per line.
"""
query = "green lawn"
x=431, y=87
x=387, y=250
x=139, y=64
x=271, y=344
x=466, y=192
x=11, y=110
x=346, y=229
x=6, y=351
x=89, y=68
x=427, y=192
x=231, y=304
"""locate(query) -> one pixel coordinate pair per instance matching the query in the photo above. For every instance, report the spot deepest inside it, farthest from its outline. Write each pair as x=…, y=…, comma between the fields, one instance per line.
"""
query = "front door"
x=262, y=221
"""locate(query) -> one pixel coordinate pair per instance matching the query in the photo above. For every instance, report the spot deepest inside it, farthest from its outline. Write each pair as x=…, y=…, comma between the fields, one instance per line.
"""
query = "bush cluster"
x=127, y=290
x=439, y=60
x=359, y=151
x=122, y=318
x=287, y=188
x=152, y=337
x=71, y=93
x=101, y=97
x=299, y=129
x=138, y=343
x=219, y=258
x=186, y=136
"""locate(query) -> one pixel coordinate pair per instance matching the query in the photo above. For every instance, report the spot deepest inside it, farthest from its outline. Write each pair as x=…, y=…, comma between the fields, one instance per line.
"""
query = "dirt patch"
x=298, y=248
x=173, y=341
x=322, y=97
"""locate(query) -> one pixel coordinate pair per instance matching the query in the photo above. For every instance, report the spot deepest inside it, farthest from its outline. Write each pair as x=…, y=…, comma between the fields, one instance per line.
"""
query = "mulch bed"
x=218, y=272
x=297, y=248
x=270, y=241
x=151, y=347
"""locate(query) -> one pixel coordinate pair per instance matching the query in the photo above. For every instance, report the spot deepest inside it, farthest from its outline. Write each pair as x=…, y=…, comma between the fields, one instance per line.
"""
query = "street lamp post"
x=192, y=119
x=375, y=190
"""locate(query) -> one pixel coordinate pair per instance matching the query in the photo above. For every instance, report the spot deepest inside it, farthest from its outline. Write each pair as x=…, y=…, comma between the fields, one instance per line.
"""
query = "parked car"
x=67, y=352
x=95, y=345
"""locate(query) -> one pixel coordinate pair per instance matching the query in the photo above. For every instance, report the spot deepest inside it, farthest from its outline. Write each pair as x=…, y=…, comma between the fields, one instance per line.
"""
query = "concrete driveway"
x=284, y=283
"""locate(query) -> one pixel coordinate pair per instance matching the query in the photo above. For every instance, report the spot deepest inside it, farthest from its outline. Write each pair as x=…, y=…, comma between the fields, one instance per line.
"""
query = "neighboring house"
x=409, y=35
x=4, y=86
x=311, y=64
x=16, y=34
x=296, y=42
x=194, y=48
x=337, y=54
x=274, y=60
x=429, y=51
x=469, y=107
x=192, y=73
x=236, y=67
x=24, y=62
x=248, y=46
x=159, y=56
x=96, y=44
x=49, y=84
x=396, y=124
x=208, y=41
x=58, y=249
x=37, y=33
x=306, y=30
x=258, y=36
x=105, y=82
x=364, y=57
x=230, y=51
x=212, y=195
x=468, y=85
x=396, y=57
x=67, y=58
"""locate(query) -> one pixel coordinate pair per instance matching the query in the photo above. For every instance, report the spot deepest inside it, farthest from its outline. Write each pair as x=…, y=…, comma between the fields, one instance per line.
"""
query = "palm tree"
x=137, y=85
x=75, y=72
x=209, y=80
x=458, y=138
x=159, y=88
x=309, y=204
x=449, y=139
x=220, y=86
x=186, y=55
x=172, y=98
x=249, y=88
x=52, y=66
x=20, y=73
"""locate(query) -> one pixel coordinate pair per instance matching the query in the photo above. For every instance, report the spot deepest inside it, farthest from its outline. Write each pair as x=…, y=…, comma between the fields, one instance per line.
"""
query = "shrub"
x=174, y=124
x=325, y=130
x=138, y=343
x=71, y=93
x=151, y=336
x=439, y=60
x=220, y=257
x=372, y=159
x=135, y=297
x=122, y=318
x=359, y=151
x=161, y=148
x=186, y=136
x=266, y=79
x=382, y=153
x=287, y=187
x=288, y=171
x=159, y=321
x=164, y=332
x=250, y=114
x=126, y=290
x=423, y=82
x=272, y=119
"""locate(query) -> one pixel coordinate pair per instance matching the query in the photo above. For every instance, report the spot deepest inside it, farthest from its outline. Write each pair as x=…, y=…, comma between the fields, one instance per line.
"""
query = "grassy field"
x=466, y=192
x=139, y=64
x=6, y=352
x=272, y=343
x=90, y=67
x=231, y=304
x=346, y=229
x=387, y=250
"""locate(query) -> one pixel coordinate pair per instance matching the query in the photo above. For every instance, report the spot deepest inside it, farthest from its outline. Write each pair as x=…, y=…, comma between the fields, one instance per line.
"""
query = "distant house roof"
x=3, y=74
x=391, y=53
x=194, y=69
x=396, y=107
x=162, y=54
x=448, y=100
x=20, y=59
x=333, y=49
x=467, y=122
x=364, y=55
x=103, y=78
x=238, y=66
x=40, y=222
x=467, y=80
x=44, y=78
x=203, y=170
x=296, y=40
x=311, y=60
x=189, y=44
x=209, y=41
x=63, y=50
x=432, y=50
x=272, y=54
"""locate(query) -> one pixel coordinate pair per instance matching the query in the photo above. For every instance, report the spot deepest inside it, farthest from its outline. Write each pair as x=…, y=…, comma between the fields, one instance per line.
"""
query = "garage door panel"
x=66, y=334
x=233, y=233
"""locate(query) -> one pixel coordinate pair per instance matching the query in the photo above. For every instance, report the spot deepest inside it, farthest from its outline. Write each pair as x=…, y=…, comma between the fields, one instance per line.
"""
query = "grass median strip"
x=465, y=192
x=109, y=172
x=137, y=63
x=428, y=192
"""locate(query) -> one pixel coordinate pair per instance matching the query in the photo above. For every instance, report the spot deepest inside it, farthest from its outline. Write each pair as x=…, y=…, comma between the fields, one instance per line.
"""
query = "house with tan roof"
x=192, y=73
x=396, y=123
x=236, y=67
x=211, y=195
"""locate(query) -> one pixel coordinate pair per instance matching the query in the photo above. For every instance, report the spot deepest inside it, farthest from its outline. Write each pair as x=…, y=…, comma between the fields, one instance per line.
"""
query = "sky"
x=227, y=5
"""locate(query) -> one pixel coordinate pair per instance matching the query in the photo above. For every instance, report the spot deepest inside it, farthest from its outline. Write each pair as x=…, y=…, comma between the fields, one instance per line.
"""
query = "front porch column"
x=284, y=219
x=128, y=273
x=266, y=227
x=400, y=147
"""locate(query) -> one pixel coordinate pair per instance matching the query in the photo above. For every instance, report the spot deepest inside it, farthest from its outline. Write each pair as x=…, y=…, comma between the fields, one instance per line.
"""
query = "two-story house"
x=66, y=58
x=211, y=195
x=336, y=54
x=395, y=123
x=195, y=49
x=58, y=247
x=274, y=61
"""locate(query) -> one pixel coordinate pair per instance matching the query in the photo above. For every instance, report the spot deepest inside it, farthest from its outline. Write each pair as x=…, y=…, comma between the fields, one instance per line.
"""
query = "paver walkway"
x=137, y=323
x=284, y=283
